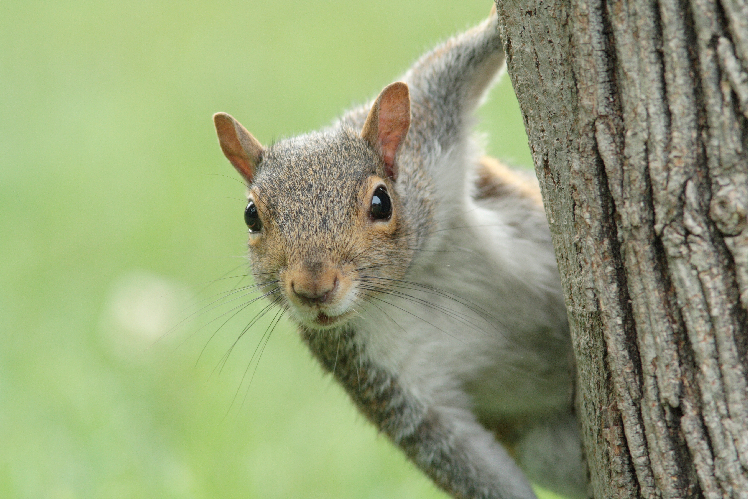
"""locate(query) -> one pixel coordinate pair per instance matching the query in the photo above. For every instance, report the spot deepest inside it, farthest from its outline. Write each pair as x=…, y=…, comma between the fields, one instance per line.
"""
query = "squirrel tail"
x=452, y=79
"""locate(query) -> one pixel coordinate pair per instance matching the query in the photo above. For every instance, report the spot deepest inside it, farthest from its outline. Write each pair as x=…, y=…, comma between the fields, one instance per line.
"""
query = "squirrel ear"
x=240, y=147
x=388, y=123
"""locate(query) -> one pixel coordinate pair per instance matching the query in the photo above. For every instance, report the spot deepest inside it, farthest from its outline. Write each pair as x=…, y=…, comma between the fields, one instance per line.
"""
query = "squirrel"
x=422, y=276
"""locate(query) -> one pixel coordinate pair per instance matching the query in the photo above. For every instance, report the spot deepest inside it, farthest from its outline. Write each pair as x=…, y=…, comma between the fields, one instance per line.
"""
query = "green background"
x=121, y=226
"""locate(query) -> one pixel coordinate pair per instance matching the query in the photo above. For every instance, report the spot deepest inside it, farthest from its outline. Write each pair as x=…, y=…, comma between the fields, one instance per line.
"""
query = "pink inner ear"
x=242, y=165
x=390, y=136
x=240, y=148
x=394, y=121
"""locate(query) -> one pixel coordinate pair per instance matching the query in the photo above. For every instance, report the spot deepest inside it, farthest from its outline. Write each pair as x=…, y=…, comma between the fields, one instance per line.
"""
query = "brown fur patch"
x=497, y=180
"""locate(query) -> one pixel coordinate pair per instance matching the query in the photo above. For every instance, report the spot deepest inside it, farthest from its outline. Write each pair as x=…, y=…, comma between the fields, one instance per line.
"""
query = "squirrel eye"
x=381, y=206
x=252, y=218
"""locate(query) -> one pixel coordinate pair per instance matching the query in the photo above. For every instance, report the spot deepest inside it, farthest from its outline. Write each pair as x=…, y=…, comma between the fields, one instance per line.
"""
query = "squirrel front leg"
x=446, y=442
x=462, y=457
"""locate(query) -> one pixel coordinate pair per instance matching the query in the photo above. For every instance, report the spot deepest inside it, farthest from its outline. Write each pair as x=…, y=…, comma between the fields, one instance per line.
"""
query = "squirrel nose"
x=315, y=291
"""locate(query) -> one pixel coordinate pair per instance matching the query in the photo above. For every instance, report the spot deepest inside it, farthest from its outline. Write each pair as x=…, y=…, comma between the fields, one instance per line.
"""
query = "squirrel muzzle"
x=319, y=293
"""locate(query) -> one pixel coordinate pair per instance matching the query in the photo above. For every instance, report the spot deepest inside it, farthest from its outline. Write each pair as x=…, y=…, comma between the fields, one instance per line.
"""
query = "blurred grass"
x=117, y=208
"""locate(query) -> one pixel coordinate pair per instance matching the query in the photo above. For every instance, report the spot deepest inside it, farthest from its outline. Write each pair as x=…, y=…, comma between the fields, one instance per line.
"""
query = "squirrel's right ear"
x=240, y=147
x=388, y=123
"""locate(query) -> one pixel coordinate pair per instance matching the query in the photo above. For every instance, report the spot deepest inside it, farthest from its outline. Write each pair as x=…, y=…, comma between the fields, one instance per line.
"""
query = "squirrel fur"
x=422, y=276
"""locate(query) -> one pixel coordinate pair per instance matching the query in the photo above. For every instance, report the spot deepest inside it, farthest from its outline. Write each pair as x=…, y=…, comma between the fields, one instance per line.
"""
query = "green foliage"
x=118, y=209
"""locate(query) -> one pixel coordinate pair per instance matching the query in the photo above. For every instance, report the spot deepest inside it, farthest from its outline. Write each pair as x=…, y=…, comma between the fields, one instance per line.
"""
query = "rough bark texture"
x=636, y=114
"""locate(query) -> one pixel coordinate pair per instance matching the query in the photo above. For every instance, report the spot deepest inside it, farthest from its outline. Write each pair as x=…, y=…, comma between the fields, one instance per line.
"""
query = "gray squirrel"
x=422, y=276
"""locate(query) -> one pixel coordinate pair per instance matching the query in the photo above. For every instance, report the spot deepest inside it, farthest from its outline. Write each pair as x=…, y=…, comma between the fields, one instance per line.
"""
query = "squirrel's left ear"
x=388, y=123
x=238, y=145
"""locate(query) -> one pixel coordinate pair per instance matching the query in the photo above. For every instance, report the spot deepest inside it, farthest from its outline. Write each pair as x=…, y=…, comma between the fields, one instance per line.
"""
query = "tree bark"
x=636, y=113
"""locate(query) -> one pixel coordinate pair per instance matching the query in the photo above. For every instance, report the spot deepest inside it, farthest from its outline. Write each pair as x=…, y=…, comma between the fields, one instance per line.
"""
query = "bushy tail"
x=448, y=83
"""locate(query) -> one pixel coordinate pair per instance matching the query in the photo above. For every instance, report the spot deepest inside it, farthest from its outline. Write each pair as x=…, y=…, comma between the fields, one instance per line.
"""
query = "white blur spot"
x=140, y=310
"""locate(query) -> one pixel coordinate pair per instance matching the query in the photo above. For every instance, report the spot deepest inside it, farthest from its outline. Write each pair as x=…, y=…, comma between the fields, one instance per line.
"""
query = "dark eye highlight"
x=252, y=218
x=381, y=205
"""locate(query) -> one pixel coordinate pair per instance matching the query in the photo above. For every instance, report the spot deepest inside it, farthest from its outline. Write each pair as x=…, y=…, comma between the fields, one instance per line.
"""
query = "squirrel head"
x=326, y=224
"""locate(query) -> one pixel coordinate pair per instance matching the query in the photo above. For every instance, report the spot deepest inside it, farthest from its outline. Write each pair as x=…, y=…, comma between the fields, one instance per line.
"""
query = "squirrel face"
x=329, y=229
x=326, y=230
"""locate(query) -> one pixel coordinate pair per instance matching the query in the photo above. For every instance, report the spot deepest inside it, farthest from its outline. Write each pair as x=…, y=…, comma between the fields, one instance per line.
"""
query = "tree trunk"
x=636, y=117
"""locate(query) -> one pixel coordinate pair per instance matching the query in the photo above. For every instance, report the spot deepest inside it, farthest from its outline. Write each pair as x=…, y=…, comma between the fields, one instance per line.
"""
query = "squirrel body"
x=422, y=276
